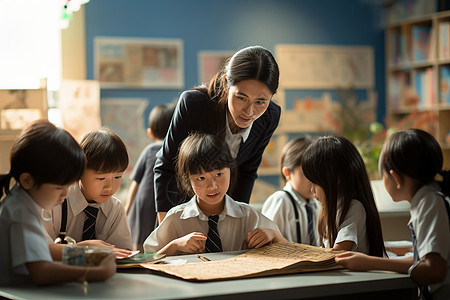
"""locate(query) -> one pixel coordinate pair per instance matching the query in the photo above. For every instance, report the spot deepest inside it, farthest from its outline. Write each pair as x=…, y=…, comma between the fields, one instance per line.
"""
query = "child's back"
x=140, y=205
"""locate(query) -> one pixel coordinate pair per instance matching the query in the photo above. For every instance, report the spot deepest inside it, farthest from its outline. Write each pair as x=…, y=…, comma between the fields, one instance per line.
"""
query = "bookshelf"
x=418, y=75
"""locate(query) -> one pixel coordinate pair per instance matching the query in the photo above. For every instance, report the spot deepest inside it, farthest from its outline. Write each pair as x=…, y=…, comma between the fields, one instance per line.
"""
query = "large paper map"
x=277, y=258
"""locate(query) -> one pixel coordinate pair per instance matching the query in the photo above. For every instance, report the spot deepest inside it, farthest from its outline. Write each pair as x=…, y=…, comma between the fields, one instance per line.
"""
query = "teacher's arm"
x=262, y=131
x=165, y=183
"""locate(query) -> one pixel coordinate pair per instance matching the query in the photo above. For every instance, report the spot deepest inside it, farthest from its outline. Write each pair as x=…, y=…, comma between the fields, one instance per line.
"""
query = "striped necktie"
x=89, y=224
x=213, y=243
x=310, y=214
x=414, y=242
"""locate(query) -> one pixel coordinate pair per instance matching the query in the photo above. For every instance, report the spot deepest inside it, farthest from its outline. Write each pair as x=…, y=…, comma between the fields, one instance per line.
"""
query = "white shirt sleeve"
x=353, y=227
x=279, y=209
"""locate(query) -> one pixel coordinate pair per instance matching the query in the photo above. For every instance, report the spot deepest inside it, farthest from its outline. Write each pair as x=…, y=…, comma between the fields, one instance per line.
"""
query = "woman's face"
x=247, y=101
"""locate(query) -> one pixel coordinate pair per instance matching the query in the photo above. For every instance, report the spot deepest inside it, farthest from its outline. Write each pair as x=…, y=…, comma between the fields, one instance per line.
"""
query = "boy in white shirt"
x=106, y=160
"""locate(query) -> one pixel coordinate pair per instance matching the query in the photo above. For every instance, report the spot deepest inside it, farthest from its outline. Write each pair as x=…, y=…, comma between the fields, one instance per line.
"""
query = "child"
x=140, y=206
x=106, y=160
x=349, y=218
x=211, y=221
x=409, y=162
x=294, y=207
x=45, y=160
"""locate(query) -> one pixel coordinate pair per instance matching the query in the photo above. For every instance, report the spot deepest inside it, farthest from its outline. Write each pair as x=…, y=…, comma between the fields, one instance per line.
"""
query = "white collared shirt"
x=235, y=221
x=353, y=228
x=234, y=139
x=22, y=236
x=111, y=225
x=278, y=208
x=431, y=226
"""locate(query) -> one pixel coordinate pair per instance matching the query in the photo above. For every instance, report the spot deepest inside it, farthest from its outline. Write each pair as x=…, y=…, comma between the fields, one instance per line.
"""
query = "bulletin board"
x=139, y=63
x=323, y=67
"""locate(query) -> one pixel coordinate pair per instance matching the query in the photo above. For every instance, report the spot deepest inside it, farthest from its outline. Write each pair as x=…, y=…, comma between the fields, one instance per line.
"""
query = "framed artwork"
x=79, y=105
x=139, y=63
x=19, y=107
x=322, y=67
x=210, y=62
x=126, y=117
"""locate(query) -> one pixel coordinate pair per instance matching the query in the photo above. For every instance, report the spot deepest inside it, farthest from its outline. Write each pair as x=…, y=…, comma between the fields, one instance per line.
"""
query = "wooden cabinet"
x=418, y=76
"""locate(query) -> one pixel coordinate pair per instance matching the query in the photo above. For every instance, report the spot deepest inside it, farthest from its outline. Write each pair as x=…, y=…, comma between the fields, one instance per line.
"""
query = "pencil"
x=203, y=258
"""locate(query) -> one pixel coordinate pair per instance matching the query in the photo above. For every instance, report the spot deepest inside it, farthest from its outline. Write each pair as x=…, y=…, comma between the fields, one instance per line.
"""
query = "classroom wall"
x=233, y=24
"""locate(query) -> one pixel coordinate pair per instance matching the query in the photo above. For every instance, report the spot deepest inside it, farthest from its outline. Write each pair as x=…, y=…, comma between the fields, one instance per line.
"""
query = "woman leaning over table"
x=236, y=105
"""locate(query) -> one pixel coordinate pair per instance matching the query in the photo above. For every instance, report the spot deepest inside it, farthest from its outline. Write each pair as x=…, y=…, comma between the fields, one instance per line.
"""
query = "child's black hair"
x=334, y=164
x=292, y=153
x=105, y=151
x=159, y=119
x=416, y=154
x=50, y=154
x=200, y=151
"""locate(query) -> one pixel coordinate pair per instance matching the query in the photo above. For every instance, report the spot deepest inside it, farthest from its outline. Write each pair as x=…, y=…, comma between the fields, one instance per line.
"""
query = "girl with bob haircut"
x=237, y=106
x=349, y=218
x=211, y=221
x=45, y=161
x=409, y=163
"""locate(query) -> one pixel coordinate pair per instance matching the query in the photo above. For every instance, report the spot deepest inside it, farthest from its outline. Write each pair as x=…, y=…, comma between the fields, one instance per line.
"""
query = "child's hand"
x=122, y=253
x=191, y=243
x=119, y=253
x=355, y=261
x=95, y=243
x=259, y=237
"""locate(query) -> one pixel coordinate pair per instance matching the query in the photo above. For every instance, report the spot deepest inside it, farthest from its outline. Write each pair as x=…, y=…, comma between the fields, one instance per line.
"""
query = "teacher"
x=237, y=106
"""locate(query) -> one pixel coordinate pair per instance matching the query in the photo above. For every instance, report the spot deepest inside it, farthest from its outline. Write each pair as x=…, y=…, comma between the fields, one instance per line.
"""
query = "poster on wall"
x=139, y=63
x=210, y=62
x=126, y=117
x=19, y=107
x=322, y=67
x=79, y=105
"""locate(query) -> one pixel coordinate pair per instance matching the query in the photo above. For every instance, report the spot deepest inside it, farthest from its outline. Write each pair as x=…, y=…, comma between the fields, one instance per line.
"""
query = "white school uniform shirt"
x=111, y=225
x=431, y=227
x=22, y=236
x=278, y=207
x=234, y=140
x=235, y=221
x=353, y=228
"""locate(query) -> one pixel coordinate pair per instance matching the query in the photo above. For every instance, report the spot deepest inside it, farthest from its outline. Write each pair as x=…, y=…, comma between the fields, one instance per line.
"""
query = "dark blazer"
x=195, y=111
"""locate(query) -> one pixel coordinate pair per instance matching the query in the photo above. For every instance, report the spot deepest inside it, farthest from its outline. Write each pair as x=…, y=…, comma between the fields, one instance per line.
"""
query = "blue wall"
x=233, y=24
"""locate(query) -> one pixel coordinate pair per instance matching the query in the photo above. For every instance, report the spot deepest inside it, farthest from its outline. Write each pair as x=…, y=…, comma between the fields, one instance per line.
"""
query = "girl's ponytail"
x=5, y=181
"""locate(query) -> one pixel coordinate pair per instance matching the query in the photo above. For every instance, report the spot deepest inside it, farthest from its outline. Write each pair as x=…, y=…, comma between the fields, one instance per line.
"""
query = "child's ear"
x=397, y=178
x=26, y=180
x=286, y=173
x=150, y=133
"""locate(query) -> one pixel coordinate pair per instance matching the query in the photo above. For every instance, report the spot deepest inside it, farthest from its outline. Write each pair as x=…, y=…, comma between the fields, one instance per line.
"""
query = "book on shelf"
x=444, y=40
x=444, y=85
x=424, y=87
x=421, y=38
x=398, y=44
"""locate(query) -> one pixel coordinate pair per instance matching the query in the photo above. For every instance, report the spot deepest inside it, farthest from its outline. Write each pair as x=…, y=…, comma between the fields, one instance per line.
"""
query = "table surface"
x=142, y=284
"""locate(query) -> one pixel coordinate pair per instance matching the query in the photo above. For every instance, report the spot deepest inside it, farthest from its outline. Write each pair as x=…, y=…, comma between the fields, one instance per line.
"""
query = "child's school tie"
x=89, y=224
x=310, y=215
x=213, y=243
